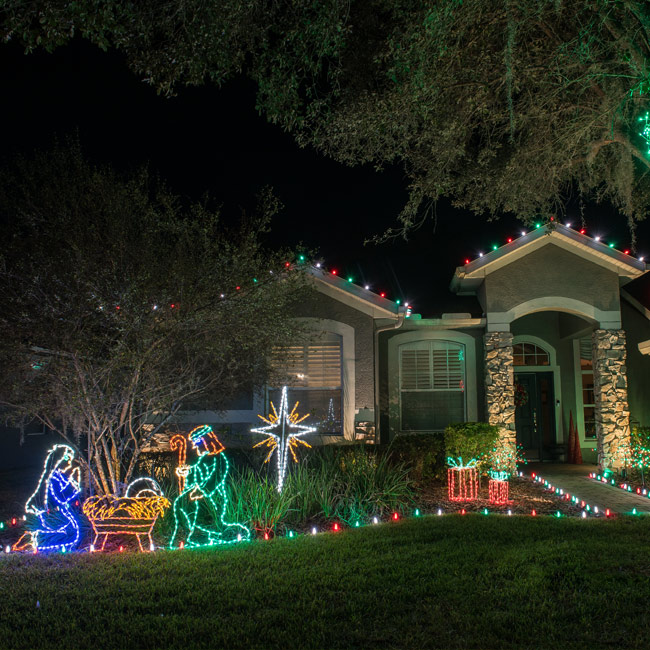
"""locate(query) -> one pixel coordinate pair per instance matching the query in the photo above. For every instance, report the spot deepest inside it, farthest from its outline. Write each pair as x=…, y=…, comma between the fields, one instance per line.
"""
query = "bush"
x=254, y=500
x=348, y=484
x=471, y=440
x=370, y=485
x=423, y=454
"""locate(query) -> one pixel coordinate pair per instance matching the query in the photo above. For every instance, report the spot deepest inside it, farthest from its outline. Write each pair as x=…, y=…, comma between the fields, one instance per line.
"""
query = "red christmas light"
x=13, y=521
x=266, y=535
x=509, y=240
x=466, y=261
x=582, y=231
x=395, y=516
x=336, y=527
x=463, y=511
x=533, y=513
x=462, y=483
x=607, y=513
x=498, y=492
x=237, y=287
x=287, y=264
x=334, y=271
x=382, y=294
x=627, y=252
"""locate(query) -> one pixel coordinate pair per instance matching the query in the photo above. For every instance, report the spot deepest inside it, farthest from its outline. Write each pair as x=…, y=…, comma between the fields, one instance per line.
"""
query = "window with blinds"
x=432, y=385
x=313, y=373
x=587, y=377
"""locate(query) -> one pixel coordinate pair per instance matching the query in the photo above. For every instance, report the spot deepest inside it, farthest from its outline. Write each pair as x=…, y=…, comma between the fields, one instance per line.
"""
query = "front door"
x=535, y=414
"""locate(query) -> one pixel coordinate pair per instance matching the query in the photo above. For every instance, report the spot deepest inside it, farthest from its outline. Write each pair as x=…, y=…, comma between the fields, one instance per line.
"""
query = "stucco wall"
x=551, y=271
x=637, y=329
x=321, y=306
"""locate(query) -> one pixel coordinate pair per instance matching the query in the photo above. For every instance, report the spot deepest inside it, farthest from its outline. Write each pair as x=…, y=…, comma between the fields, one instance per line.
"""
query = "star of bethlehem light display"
x=283, y=434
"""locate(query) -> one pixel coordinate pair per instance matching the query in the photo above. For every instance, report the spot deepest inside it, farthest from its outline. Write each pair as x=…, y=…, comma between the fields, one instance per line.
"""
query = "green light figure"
x=204, y=498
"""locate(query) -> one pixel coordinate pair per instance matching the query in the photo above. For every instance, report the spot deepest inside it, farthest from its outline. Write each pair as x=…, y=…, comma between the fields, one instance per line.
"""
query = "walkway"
x=575, y=480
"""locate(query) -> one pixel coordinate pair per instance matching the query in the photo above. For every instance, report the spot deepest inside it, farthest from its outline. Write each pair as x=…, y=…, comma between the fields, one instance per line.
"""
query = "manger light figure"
x=283, y=435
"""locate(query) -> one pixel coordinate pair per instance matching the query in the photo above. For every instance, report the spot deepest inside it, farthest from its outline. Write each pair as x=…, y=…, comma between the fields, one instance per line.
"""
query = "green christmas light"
x=494, y=247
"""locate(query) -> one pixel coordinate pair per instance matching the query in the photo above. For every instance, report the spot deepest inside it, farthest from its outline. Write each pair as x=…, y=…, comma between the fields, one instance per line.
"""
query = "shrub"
x=422, y=454
x=370, y=485
x=254, y=499
x=471, y=440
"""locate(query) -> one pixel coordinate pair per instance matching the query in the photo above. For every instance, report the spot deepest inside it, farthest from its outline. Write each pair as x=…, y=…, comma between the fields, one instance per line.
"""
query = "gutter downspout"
x=395, y=326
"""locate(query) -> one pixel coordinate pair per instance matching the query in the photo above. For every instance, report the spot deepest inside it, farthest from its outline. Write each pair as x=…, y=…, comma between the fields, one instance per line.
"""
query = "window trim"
x=348, y=358
x=453, y=336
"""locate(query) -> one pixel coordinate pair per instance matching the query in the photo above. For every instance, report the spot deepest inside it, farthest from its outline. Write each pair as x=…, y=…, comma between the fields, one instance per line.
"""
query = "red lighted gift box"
x=499, y=492
x=462, y=483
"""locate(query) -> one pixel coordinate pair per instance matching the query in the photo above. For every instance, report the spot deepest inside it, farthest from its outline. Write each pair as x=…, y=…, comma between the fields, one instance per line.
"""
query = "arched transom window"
x=529, y=354
x=432, y=385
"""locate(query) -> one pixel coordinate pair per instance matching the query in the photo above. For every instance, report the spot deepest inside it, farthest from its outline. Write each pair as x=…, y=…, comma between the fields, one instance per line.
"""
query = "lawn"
x=455, y=581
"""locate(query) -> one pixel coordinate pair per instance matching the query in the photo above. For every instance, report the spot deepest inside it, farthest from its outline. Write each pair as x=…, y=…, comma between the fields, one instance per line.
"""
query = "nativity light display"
x=133, y=514
x=283, y=434
x=200, y=508
x=51, y=523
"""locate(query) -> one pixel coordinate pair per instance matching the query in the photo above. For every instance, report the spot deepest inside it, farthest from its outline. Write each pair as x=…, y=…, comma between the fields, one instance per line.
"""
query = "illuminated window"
x=587, y=385
x=313, y=372
x=529, y=354
x=432, y=385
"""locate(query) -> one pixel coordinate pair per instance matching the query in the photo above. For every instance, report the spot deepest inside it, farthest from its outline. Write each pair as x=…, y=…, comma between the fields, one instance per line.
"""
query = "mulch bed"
x=525, y=496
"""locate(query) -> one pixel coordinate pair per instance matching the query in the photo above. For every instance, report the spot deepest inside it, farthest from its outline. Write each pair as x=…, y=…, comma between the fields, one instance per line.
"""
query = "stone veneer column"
x=500, y=384
x=610, y=395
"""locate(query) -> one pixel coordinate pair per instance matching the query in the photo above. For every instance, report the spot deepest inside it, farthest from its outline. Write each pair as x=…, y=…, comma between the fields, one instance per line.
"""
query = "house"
x=548, y=330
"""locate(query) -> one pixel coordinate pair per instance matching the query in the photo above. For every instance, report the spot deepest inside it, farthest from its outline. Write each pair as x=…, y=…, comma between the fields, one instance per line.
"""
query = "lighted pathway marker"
x=575, y=480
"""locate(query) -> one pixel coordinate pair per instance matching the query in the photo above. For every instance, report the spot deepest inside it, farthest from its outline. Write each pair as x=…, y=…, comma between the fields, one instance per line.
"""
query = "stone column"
x=500, y=384
x=610, y=395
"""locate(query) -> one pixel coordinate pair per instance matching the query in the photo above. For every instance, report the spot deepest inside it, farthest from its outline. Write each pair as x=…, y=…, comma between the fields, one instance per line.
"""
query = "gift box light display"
x=462, y=480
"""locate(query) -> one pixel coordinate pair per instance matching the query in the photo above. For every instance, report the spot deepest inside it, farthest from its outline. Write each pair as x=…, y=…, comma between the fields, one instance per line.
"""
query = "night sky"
x=212, y=140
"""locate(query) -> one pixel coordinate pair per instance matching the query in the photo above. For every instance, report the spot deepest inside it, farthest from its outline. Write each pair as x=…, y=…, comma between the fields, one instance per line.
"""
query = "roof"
x=469, y=277
x=354, y=295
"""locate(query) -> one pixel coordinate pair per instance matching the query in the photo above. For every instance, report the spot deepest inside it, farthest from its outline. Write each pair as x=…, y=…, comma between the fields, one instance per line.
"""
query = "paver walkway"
x=575, y=480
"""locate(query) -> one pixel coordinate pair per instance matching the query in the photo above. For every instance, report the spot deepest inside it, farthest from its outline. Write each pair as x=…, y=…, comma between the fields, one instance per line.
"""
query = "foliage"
x=640, y=443
x=503, y=460
x=423, y=454
x=470, y=440
x=504, y=106
x=119, y=307
x=254, y=499
x=370, y=485
x=348, y=484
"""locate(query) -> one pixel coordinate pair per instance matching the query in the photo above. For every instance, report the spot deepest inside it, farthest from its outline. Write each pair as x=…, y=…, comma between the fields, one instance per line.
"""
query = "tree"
x=503, y=105
x=119, y=306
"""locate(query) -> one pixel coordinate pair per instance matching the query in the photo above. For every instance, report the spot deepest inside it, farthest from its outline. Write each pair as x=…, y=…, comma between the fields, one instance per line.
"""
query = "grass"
x=436, y=582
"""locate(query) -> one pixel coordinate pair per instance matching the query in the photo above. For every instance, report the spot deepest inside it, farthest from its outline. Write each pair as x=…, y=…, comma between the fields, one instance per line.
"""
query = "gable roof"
x=353, y=295
x=469, y=277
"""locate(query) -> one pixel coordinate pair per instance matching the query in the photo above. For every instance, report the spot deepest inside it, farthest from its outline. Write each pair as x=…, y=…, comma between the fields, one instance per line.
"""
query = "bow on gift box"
x=458, y=463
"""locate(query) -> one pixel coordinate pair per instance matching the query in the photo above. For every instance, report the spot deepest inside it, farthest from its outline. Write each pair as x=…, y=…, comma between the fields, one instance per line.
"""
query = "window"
x=587, y=385
x=529, y=354
x=313, y=373
x=432, y=385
